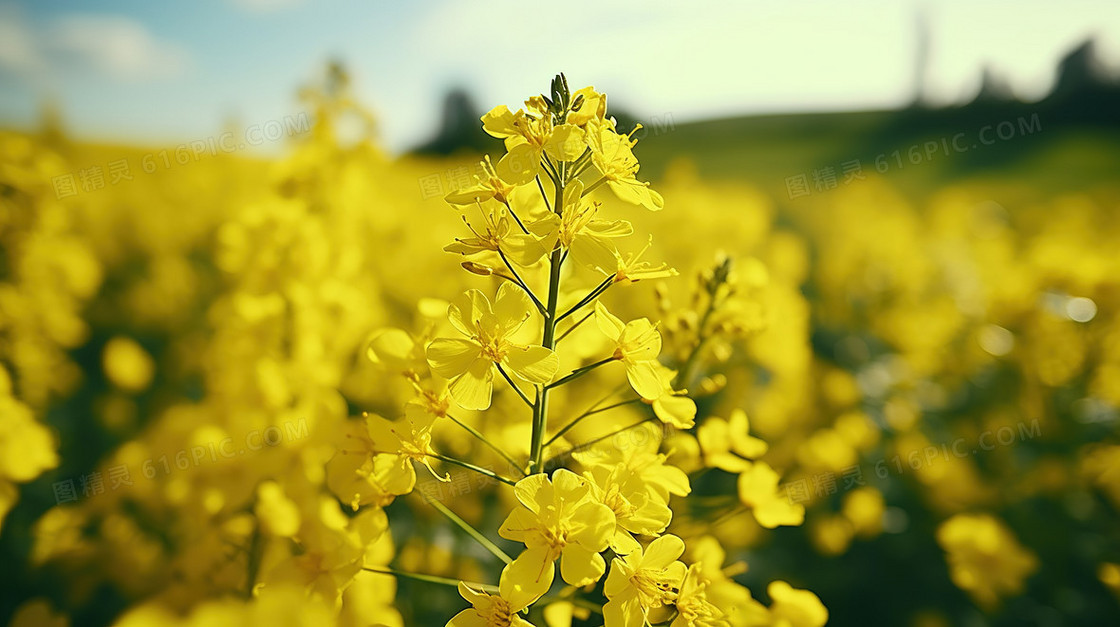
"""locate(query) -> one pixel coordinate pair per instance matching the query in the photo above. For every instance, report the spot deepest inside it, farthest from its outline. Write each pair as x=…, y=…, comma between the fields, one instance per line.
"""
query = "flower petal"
x=528, y=576
x=451, y=357
x=566, y=143
x=637, y=193
x=533, y=490
x=467, y=618
x=608, y=323
x=473, y=388
x=662, y=552
x=518, y=525
x=643, y=377
x=624, y=613
x=535, y=364
x=597, y=525
x=498, y=122
x=679, y=411
x=512, y=307
x=520, y=164
x=580, y=566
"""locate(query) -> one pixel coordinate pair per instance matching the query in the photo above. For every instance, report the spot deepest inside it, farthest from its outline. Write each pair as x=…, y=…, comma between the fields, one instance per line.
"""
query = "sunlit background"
x=140, y=71
x=208, y=209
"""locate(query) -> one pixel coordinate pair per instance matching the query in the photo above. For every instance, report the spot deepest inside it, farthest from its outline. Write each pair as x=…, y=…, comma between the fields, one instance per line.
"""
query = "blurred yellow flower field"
x=325, y=388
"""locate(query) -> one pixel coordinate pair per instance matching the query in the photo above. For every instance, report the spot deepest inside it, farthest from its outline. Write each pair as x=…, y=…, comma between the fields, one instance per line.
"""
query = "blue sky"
x=160, y=71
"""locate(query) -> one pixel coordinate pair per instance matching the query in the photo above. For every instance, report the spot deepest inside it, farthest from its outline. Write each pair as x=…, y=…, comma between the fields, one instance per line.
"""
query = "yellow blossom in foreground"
x=488, y=610
x=643, y=581
x=557, y=518
x=638, y=456
x=630, y=268
x=488, y=186
x=378, y=464
x=635, y=510
x=637, y=344
x=734, y=600
x=693, y=607
x=613, y=155
x=588, y=238
x=469, y=363
x=758, y=489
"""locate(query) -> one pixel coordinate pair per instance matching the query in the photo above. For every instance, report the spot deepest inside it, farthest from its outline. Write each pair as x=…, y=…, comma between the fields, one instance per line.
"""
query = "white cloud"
x=18, y=50
x=116, y=46
x=113, y=47
x=266, y=6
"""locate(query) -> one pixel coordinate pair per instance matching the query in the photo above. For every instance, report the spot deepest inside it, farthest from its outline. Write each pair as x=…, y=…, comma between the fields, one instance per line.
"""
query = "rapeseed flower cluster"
x=247, y=391
x=546, y=222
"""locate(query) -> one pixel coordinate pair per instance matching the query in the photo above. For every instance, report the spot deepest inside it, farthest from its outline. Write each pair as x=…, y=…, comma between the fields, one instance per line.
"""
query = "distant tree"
x=459, y=126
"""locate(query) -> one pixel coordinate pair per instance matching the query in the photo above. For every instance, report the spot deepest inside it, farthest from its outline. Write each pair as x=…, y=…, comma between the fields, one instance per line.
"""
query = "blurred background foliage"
x=939, y=373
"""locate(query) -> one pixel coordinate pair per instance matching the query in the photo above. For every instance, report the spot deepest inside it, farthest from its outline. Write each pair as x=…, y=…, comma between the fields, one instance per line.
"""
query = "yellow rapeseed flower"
x=557, y=518
x=488, y=610
x=469, y=363
x=637, y=344
x=727, y=444
x=643, y=581
x=758, y=489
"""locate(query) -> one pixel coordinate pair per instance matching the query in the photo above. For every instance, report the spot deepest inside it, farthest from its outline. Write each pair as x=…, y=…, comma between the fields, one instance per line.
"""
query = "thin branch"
x=470, y=466
x=540, y=186
x=494, y=549
x=579, y=372
x=595, y=441
x=522, y=284
x=482, y=438
x=430, y=578
x=552, y=173
x=587, y=190
x=514, y=385
x=687, y=372
x=573, y=327
x=514, y=214
x=587, y=413
x=592, y=295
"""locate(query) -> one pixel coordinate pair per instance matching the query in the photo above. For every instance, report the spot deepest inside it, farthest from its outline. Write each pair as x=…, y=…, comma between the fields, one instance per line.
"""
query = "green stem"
x=471, y=531
x=585, y=414
x=590, y=188
x=540, y=410
x=521, y=282
x=574, y=326
x=470, y=466
x=513, y=385
x=592, y=295
x=476, y=433
x=685, y=376
x=514, y=214
x=579, y=372
x=431, y=578
x=540, y=186
x=595, y=441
